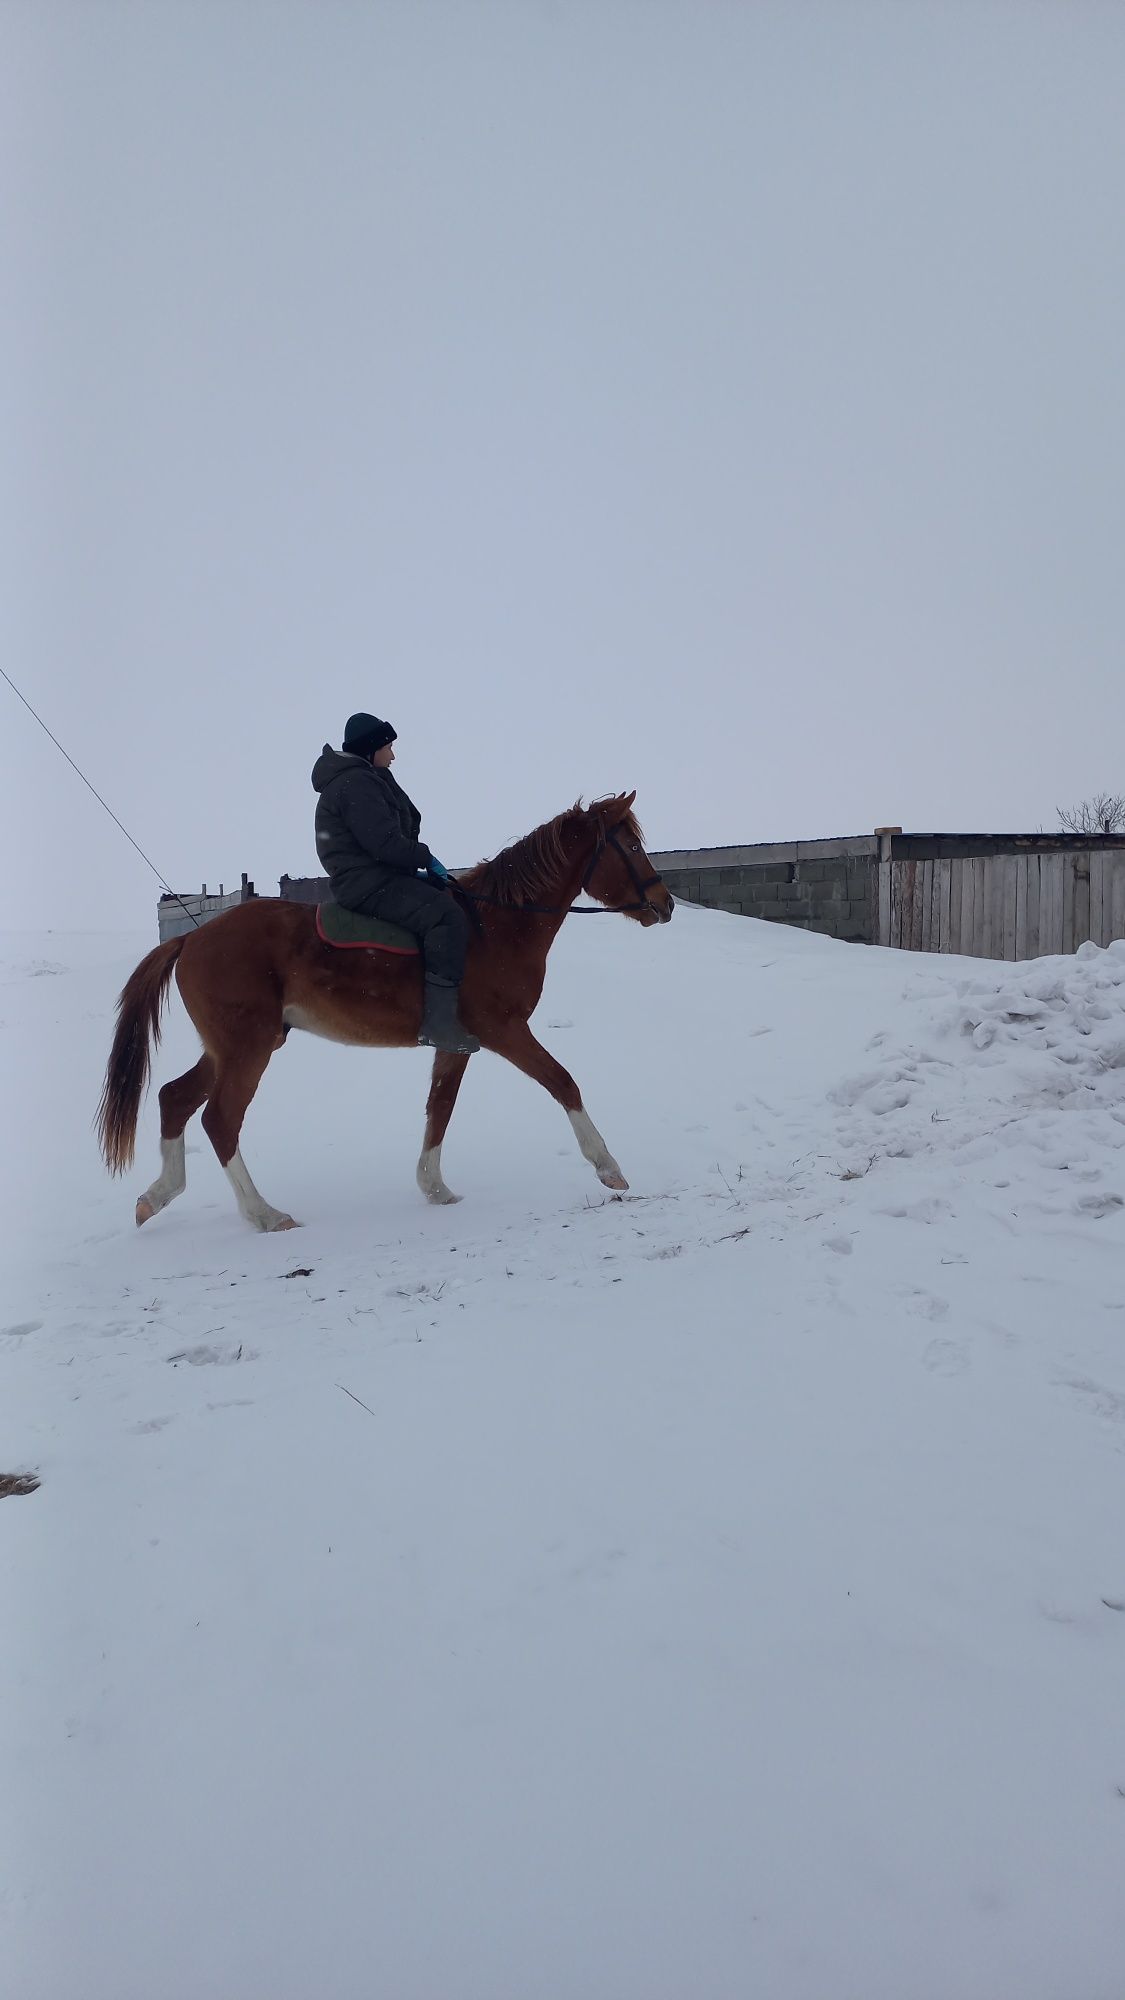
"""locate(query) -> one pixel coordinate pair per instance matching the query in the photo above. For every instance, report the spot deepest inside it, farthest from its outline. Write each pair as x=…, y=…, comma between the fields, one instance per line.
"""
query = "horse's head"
x=620, y=874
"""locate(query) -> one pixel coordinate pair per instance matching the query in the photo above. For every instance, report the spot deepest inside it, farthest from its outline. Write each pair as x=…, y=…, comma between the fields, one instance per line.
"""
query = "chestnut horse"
x=261, y=969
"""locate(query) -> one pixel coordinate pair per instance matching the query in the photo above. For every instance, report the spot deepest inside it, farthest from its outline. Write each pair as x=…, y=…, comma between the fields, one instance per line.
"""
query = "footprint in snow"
x=220, y=1357
x=1098, y=1205
x=20, y=1328
x=1100, y=1400
x=929, y=1209
x=926, y=1306
x=944, y=1357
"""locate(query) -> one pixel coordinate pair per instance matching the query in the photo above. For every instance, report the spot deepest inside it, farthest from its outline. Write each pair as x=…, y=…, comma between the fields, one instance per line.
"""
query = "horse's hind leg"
x=179, y=1101
x=446, y=1082
x=237, y=1080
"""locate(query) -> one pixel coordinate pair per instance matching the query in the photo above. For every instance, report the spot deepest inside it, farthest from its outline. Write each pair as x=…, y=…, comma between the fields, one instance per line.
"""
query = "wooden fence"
x=1026, y=902
x=176, y=915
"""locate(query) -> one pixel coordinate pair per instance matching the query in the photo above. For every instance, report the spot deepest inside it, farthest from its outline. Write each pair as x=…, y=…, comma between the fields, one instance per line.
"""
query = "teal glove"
x=437, y=869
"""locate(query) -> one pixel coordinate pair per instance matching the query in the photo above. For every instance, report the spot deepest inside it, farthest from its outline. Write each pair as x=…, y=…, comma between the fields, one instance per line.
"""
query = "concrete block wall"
x=828, y=886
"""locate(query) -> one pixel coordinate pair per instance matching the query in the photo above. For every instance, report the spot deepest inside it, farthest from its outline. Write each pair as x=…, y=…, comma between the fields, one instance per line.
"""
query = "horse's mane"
x=530, y=869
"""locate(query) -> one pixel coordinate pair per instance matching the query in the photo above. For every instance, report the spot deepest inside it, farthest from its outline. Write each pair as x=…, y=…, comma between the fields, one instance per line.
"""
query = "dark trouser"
x=436, y=920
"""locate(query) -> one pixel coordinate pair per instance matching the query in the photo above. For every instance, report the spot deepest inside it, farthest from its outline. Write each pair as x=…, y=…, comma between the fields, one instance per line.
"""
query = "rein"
x=641, y=884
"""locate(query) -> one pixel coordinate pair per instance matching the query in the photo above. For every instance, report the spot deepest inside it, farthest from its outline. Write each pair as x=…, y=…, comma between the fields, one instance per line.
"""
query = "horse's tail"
x=130, y=1058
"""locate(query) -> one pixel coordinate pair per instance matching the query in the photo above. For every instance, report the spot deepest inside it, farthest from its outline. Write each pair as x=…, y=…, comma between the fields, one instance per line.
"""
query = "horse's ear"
x=613, y=810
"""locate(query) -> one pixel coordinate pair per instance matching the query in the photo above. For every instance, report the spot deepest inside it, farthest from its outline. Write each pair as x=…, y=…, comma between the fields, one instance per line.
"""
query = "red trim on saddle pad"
x=359, y=944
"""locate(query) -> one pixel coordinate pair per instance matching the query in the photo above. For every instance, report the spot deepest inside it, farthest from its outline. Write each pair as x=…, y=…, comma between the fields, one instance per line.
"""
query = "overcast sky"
x=726, y=400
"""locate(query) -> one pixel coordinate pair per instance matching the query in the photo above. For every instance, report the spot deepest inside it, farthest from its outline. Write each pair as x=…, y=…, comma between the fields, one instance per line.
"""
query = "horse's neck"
x=551, y=906
x=573, y=875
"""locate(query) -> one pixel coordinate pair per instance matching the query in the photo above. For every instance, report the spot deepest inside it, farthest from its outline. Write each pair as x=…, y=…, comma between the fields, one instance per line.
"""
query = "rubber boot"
x=440, y=1027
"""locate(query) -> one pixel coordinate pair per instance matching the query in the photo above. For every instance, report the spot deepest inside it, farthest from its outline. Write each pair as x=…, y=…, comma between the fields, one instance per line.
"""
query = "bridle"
x=641, y=883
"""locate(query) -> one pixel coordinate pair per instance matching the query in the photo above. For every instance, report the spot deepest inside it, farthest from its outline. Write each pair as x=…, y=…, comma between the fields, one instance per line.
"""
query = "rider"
x=367, y=838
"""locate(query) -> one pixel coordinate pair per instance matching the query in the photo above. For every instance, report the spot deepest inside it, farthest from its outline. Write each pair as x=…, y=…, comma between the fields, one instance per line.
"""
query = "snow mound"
x=1017, y=1075
x=1070, y=1010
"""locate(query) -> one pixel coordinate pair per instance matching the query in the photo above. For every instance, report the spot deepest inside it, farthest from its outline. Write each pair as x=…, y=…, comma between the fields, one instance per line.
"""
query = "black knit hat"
x=365, y=734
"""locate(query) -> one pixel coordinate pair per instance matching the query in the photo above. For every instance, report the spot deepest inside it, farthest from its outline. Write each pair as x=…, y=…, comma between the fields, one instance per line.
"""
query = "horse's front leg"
x=518, y=1045
x=444, y=1085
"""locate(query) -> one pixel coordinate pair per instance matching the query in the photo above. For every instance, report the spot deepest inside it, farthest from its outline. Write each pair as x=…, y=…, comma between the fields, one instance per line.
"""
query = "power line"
x=92, y=788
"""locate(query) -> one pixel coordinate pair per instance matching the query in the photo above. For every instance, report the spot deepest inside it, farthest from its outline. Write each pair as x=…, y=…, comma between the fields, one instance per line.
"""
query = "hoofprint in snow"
x=718, y=1590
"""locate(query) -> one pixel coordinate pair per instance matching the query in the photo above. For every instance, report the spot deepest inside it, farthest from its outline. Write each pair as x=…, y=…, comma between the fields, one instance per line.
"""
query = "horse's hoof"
x=284, y=1222
x=145, y=1211
x=616, y=1181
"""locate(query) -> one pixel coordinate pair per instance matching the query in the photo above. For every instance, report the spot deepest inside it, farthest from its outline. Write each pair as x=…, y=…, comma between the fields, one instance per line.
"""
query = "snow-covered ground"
x=716, y=1592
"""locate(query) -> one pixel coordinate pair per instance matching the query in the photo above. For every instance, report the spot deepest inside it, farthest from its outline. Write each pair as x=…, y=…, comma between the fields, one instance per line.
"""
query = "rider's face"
x=384, y=758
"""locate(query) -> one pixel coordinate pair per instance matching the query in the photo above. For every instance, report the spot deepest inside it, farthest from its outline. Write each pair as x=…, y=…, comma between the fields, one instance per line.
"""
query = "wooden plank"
x=883, y=935
x=1050, y=904
x=1081, y=925
x=1058, y=875
x=1021, y=906
x=996, y=903
x=1009, y=897
x=1002, y=879
x=1097, y=878
x=977, y=933
x=954, y=932
x=905, y=881
x=966, y=909
x=1033, y=906
x=915, y=905
x=941, y=903
x=896, y=905
x=986, y=884
x=909, y=869
x=1069, y=862
x=1044, y=906
x=1117, y=897
x=927, y=905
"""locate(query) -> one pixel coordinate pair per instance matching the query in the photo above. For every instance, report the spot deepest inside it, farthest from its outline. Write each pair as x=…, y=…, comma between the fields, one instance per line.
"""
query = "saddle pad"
x=348, y=931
